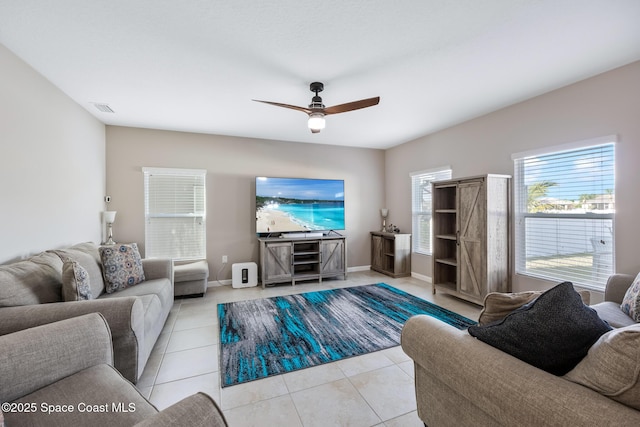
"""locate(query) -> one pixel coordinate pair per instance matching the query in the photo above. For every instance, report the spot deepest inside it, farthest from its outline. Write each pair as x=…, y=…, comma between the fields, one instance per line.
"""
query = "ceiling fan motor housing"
x=316, y=87
x=316, y=101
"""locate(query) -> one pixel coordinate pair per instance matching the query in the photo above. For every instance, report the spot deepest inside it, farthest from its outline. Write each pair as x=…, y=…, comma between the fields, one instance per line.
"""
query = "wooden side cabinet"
x=391, y=253
x=296, y=259
x=471, y=236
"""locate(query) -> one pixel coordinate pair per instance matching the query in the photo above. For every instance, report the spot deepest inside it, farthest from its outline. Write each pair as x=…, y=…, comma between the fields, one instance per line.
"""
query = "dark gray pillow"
x=553, y=332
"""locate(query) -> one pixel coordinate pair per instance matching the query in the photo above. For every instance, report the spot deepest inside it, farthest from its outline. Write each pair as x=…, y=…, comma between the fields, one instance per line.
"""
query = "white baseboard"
x=215, y=283
x=358, y=268
x=227, y=282
x=421, y=277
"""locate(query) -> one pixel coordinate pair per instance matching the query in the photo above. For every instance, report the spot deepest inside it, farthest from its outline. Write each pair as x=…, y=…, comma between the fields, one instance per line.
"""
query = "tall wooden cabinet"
x=471, y=236
x=294, y=259
x=391, y=253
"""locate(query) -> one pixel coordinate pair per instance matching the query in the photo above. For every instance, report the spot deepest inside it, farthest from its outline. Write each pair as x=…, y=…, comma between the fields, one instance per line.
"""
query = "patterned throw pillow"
x=121, y=266
x=631, y=301
x=75, y=282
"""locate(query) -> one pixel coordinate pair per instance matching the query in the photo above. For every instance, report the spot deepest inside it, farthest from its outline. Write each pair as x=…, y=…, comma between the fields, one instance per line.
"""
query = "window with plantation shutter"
x=564, y=212
x=421, y=206
x=175, y=213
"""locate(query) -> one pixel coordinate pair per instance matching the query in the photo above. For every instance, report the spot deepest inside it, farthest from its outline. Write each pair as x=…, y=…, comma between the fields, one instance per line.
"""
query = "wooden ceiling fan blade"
x=350, y=106
x=292, y=107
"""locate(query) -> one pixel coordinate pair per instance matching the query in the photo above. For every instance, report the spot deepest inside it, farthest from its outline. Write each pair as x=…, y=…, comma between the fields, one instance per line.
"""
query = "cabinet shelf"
x=305, y=276
x=448, y=261
x=308, y=261
x=447, y=285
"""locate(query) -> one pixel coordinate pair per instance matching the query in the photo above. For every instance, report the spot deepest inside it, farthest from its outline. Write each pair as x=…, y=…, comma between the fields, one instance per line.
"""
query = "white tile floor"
x=375, y=389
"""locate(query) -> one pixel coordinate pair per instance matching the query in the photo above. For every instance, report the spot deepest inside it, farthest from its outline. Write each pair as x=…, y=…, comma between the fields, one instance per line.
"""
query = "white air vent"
x=103, y=107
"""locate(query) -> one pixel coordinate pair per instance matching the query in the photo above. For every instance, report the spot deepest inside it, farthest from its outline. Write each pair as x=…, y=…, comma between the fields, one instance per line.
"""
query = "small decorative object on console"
x=392, y=229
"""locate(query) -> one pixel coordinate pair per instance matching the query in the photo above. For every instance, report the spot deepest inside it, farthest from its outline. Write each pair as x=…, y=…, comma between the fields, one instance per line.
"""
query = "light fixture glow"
x=316, y=122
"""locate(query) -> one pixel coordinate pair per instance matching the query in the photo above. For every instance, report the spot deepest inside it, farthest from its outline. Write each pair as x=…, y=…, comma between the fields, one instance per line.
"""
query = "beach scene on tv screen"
x=299, y=204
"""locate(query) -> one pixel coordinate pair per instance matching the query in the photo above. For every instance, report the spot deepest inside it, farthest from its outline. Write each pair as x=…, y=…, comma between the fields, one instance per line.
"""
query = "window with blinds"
x=175, y=213
x=564, y=212
x=421, y=206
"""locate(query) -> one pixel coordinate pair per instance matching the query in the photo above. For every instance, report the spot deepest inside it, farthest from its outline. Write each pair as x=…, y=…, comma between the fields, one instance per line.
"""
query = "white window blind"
x=175, y=213
x=564, y=211
x=421, y=206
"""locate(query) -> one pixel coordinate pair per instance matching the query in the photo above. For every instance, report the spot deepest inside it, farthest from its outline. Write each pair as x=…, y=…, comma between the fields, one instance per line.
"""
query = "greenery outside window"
x=564, y=212
x=421, y=206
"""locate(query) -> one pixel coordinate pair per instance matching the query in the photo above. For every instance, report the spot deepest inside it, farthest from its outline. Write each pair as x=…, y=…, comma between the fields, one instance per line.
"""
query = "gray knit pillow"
x=553, y=332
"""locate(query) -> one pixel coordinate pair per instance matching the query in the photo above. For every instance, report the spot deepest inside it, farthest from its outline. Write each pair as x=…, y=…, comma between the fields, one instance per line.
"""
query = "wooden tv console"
x=302, y=258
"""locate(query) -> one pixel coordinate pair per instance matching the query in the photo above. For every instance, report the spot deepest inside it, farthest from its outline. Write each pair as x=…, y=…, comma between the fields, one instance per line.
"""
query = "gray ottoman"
x=190, y=278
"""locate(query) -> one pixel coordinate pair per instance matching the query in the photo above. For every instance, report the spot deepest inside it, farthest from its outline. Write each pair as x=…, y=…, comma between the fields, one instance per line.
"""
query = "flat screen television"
x=287, y=205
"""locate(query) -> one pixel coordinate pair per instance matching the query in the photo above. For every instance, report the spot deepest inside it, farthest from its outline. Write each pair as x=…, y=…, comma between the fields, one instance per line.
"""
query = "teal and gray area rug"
x=272, y=336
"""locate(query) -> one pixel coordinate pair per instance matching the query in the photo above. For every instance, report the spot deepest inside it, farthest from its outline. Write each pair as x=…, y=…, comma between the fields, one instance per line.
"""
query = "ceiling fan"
x=317, y=110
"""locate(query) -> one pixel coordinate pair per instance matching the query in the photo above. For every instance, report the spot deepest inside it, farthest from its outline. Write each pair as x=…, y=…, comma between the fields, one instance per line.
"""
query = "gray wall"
x=603, y=105
x=232, y=165
x=52, y=165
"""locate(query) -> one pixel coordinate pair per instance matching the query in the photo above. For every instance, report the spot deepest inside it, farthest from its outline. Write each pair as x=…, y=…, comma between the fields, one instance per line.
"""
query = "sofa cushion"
x=497, y=305
x=122, y=266
x=95, y=394
x=75, y=282
x=553, y=332
x=610, y=312
x=612, y=366
x=36, y=280
x=631, y=301
x=86, y=254
x=197, y=270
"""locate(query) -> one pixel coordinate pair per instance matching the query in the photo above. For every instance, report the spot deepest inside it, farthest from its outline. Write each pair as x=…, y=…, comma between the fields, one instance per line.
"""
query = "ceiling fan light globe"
x=316, y=122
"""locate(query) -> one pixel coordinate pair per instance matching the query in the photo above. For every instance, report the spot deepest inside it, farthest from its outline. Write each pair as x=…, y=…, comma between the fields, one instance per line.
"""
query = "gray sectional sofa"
x=32, y=294
x=463, y=381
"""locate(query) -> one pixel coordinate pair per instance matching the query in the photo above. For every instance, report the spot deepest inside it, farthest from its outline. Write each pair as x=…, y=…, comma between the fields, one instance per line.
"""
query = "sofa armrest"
x=125, y=317
x=35, y=357
x=157, y=268
x=197, y=410
x=455, y=370
x=617, y=286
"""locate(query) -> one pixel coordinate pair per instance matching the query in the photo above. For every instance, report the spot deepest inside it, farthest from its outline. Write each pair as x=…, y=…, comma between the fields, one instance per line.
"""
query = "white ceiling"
x=195, y=65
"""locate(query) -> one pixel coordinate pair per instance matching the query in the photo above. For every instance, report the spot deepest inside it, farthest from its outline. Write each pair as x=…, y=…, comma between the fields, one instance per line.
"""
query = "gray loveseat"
x=61, y=374
x=462, y=381
x=31, y=294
